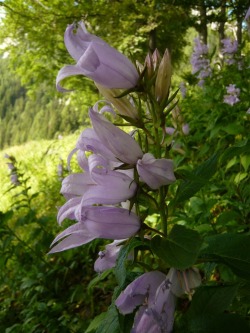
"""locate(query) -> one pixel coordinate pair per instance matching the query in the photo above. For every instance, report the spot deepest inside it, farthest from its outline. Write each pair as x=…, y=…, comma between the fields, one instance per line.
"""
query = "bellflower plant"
x=200, y=61
x=128, y=187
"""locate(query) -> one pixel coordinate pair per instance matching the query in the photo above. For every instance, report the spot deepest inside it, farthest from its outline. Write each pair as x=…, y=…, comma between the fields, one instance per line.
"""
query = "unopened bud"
x=156, y=58
x=149, y=65
x=163, y=78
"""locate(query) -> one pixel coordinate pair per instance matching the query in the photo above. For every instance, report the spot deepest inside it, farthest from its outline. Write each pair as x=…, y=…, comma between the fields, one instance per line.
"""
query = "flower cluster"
x=230, y=47
x=156, y=294
x=200, y=61
x=232, y=96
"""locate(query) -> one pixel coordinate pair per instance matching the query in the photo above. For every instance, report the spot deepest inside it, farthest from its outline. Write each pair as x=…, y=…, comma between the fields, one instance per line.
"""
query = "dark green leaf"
x=180, y=249
x=110, y=324
x=96, y=322
x=196, y=180
x=232, y=250
x=223, y=323
x=120, y=271
x=212, y=300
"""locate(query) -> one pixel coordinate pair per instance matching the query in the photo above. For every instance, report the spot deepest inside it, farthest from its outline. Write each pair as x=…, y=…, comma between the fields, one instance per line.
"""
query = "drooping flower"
x=96, y=60
x=156, y=294
x=121, y=144
x=156, y=172
x=94, y=222
x=107, y=258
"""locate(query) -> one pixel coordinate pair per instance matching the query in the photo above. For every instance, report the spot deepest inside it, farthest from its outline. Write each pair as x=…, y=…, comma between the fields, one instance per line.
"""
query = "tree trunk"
x=203, y=21
x=222, y=21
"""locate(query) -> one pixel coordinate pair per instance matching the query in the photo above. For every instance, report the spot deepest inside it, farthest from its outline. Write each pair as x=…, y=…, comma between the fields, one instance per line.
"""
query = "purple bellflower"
x=107, y=258
x=156, y=294
x=94, y=222
x=96, y=60
x=200, y=61
x=156, y=172
x=121, y=144
x=232, y=96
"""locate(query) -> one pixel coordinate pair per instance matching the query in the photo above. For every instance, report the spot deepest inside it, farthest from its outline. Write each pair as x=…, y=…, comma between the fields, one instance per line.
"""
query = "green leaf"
x=223, y=323
x=96, y=322
x=212, y=300
x=180, y=249
x=110, y=324
x=231, y=152
x=232, y=250
x=120, y=270
x=196, y=180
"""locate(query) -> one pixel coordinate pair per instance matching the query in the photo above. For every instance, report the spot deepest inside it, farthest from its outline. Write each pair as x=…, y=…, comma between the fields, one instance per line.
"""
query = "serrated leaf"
x=196, y=180
x=232, y=250
x=180, y=249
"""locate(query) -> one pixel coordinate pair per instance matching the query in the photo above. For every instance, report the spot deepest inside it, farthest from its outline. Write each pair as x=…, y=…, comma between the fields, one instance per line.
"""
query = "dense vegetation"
x=61, y=292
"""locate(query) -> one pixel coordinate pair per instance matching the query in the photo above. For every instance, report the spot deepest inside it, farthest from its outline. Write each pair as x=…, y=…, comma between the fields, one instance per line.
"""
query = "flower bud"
x=163, y=79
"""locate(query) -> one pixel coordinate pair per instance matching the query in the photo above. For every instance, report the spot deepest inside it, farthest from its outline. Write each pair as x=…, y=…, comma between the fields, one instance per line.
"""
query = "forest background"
x=39, y=293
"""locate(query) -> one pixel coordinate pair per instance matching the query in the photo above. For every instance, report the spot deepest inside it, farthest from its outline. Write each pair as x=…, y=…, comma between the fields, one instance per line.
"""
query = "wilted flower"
x=232, y=95
x=122, y=104
x=96, y=60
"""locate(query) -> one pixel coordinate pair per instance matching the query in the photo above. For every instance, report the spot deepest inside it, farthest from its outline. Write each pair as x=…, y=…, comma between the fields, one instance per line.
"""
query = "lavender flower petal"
x=121, y=144
x=96, y=60
x=107, y=258
x=155, y=172
x=110, y=222
x=136, y=292
x=75, y=235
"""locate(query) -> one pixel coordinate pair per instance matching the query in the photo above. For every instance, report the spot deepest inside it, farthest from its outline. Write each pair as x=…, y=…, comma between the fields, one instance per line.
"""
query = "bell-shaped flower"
x=183, y=282
x=142, y=288
x=121, y=144
x=107, y=258
x=89, y=141
x=96, y=60
x=96, y=222
x=155, y=172
x=157, y=294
